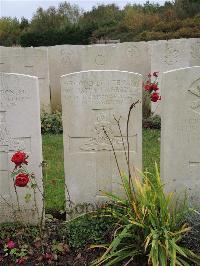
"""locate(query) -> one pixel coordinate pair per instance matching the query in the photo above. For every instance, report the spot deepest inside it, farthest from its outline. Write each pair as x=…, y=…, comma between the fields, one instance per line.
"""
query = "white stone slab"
x=90, y=100
x=180, y=140
x=65, y=59
x=173, y=54
x=19, y=130
x=194, y=46
x=29, y=61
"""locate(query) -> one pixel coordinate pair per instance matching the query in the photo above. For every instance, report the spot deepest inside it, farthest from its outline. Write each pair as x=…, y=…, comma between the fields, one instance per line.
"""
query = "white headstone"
x=194, y=48
x=19, y=130
x=180, y=139
x=90, y=101
x=29, y=61
x=173, y=54
x=65, y=59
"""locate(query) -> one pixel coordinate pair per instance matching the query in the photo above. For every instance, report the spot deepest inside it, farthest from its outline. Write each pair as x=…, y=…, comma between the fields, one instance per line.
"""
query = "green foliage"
x=149, y=224
x=55, y=19
x=9, y=31
x=146, y=104
x=152, y=122
x=51, y=123
x=71, y=34
x=88, y=229
x=53, y=173
x=69, y=24
x=150, y=149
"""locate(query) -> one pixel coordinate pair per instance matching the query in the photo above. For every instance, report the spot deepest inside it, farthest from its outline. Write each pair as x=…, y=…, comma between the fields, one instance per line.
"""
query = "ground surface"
x=54, y=170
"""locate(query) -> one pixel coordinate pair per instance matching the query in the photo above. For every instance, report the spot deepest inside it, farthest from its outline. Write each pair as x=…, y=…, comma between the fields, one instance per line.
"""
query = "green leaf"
x=27, y=197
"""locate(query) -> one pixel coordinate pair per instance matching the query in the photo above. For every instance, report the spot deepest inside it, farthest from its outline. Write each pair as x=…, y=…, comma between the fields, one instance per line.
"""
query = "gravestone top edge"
x=180, y=69
x=19, y=75
x=101, y=71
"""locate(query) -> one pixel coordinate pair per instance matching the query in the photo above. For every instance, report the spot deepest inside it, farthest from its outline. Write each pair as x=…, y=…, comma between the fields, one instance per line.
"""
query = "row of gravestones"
x=48, y=64
x=92, y=102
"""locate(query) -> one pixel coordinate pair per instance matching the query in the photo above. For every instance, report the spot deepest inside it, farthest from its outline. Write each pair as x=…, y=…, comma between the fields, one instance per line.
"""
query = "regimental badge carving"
x=195, y=90
x=171, y=55
x=6, y=140
x=100, y=59
x=195, y=50
x=133, y=51
x=102, y=136
x=66, y=56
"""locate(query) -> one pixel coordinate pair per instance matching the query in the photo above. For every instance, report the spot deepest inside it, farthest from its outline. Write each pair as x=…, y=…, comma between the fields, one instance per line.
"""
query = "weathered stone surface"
x=30, y=61
x=19, y=130
x=194, y=48
x=90, y=101
x=180, y=140
x=168, y=55
x=173, y=54
x=65, y=59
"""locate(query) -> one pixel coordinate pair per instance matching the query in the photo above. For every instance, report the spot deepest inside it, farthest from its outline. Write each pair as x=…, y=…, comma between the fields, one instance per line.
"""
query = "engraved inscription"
x=188, y=130
x=101, y=92
x=195, y=50
x=195, y=90
x=171, y=55
x=194, y=164
x=9, y=97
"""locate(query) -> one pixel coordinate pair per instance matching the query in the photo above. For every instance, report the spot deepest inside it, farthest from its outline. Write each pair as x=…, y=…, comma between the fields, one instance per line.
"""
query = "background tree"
x=9, y=31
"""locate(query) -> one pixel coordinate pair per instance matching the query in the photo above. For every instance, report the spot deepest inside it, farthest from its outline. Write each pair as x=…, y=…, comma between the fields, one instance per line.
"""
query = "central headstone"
x=180, y=146
x=91, y=102
x=19, y=131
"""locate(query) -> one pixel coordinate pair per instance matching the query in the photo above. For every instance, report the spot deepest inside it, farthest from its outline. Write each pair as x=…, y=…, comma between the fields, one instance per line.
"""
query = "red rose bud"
x=147, y=87
x=10, y=244
x=19, y=158
x=21, y=180
x=154, y=87
x=155, y=74
x=155, y=97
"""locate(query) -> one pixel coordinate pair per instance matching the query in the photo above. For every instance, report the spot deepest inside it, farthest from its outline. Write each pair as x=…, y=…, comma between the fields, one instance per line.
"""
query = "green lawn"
x=54, y=171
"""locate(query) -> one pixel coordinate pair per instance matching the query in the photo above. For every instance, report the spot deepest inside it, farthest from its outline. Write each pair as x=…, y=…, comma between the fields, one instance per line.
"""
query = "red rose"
x=155, y=74
x=19, y=158
x=21, y=180
x=147, y=87
x=154, y=87
x=155, y=97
